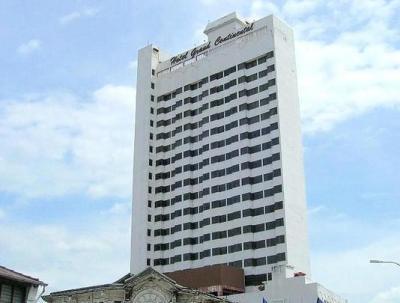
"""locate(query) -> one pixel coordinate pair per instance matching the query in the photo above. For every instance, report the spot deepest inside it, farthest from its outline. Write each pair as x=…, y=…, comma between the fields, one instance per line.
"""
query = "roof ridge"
x=19, y=273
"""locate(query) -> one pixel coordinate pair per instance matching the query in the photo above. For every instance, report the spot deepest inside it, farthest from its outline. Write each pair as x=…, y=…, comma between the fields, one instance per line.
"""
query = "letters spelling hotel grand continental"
x=197, y=50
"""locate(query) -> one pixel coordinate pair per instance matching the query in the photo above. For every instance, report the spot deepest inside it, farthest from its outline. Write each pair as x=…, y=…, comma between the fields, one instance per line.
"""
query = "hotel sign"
x=198, y=50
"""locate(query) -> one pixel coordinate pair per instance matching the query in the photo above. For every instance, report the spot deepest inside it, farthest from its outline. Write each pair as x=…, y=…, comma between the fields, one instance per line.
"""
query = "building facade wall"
x=218, y=176
x=291, y=151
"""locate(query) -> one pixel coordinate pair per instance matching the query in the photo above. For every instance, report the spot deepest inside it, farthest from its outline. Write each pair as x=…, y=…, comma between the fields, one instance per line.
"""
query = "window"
x=275, y=241
x=254, y=245
x=233, y=200
x=12, y=293
x=233, y=184
x=190, y=256
x=234, y=232
x=219, y=251
x=219, y=235
x=238, y=264
x=255, y=261
x=218, y=219
x=216, y=76
x=151, y=110
x=216, y=89
x=205, y=222
x=253, y=228
x=153, y=72
x=190, y=241
x=234, y=248
x=230, y=71
x=234, y=215
x=152, y=85
x=254, y=280
x=152, y=97
x=230, y=84
x=205, y=253
x=218, y=203
x=273, y=207
x=276, y=258
x=176, y=243
x=232, y=154
x=205, y=238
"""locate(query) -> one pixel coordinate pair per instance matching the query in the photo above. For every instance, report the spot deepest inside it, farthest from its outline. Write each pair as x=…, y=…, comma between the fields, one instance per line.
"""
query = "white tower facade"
x=218, y=163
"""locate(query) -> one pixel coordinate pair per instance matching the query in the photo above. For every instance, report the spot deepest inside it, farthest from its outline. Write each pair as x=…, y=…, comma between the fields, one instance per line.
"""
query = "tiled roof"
x=16, y=276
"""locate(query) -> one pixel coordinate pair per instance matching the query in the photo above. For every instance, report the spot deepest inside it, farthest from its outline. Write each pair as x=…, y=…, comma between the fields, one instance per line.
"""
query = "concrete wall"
x=291, y=290
x=146, y=59
x=291, y=150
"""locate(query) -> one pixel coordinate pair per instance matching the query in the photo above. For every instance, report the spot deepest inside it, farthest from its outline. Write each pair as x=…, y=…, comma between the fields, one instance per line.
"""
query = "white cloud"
x=85, y=13
x=55, y=144
x=349, y=273
x=390, y=296
x=347, y=54
x=65, y=256
x=120, y=208
x=343, y=247
x=299, y=8
x=338, y=81
x=347, y=73
x=260, y=9
x=29, y=47
x=59, y=144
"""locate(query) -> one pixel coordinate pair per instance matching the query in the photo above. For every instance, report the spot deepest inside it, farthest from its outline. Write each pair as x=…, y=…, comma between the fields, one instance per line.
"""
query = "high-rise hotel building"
x=218, y=163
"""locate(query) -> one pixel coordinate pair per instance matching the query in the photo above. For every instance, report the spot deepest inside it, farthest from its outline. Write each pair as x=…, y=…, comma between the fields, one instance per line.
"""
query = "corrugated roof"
x=19, y=277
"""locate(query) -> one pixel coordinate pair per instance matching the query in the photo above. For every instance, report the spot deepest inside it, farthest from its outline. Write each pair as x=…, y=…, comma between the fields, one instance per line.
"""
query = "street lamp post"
x=385, y=262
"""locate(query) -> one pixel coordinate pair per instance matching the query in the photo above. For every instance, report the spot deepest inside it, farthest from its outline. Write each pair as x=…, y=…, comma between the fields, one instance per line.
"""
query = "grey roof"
x=18, y=277
x=83, y=289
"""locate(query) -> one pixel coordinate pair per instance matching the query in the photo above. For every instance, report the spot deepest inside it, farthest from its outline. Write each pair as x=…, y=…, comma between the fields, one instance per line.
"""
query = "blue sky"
x=67, y=93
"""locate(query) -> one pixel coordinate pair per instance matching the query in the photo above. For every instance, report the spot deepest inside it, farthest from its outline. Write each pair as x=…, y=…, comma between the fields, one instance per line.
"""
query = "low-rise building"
x=149, y=286
x=298, y=289
x=16, y=287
